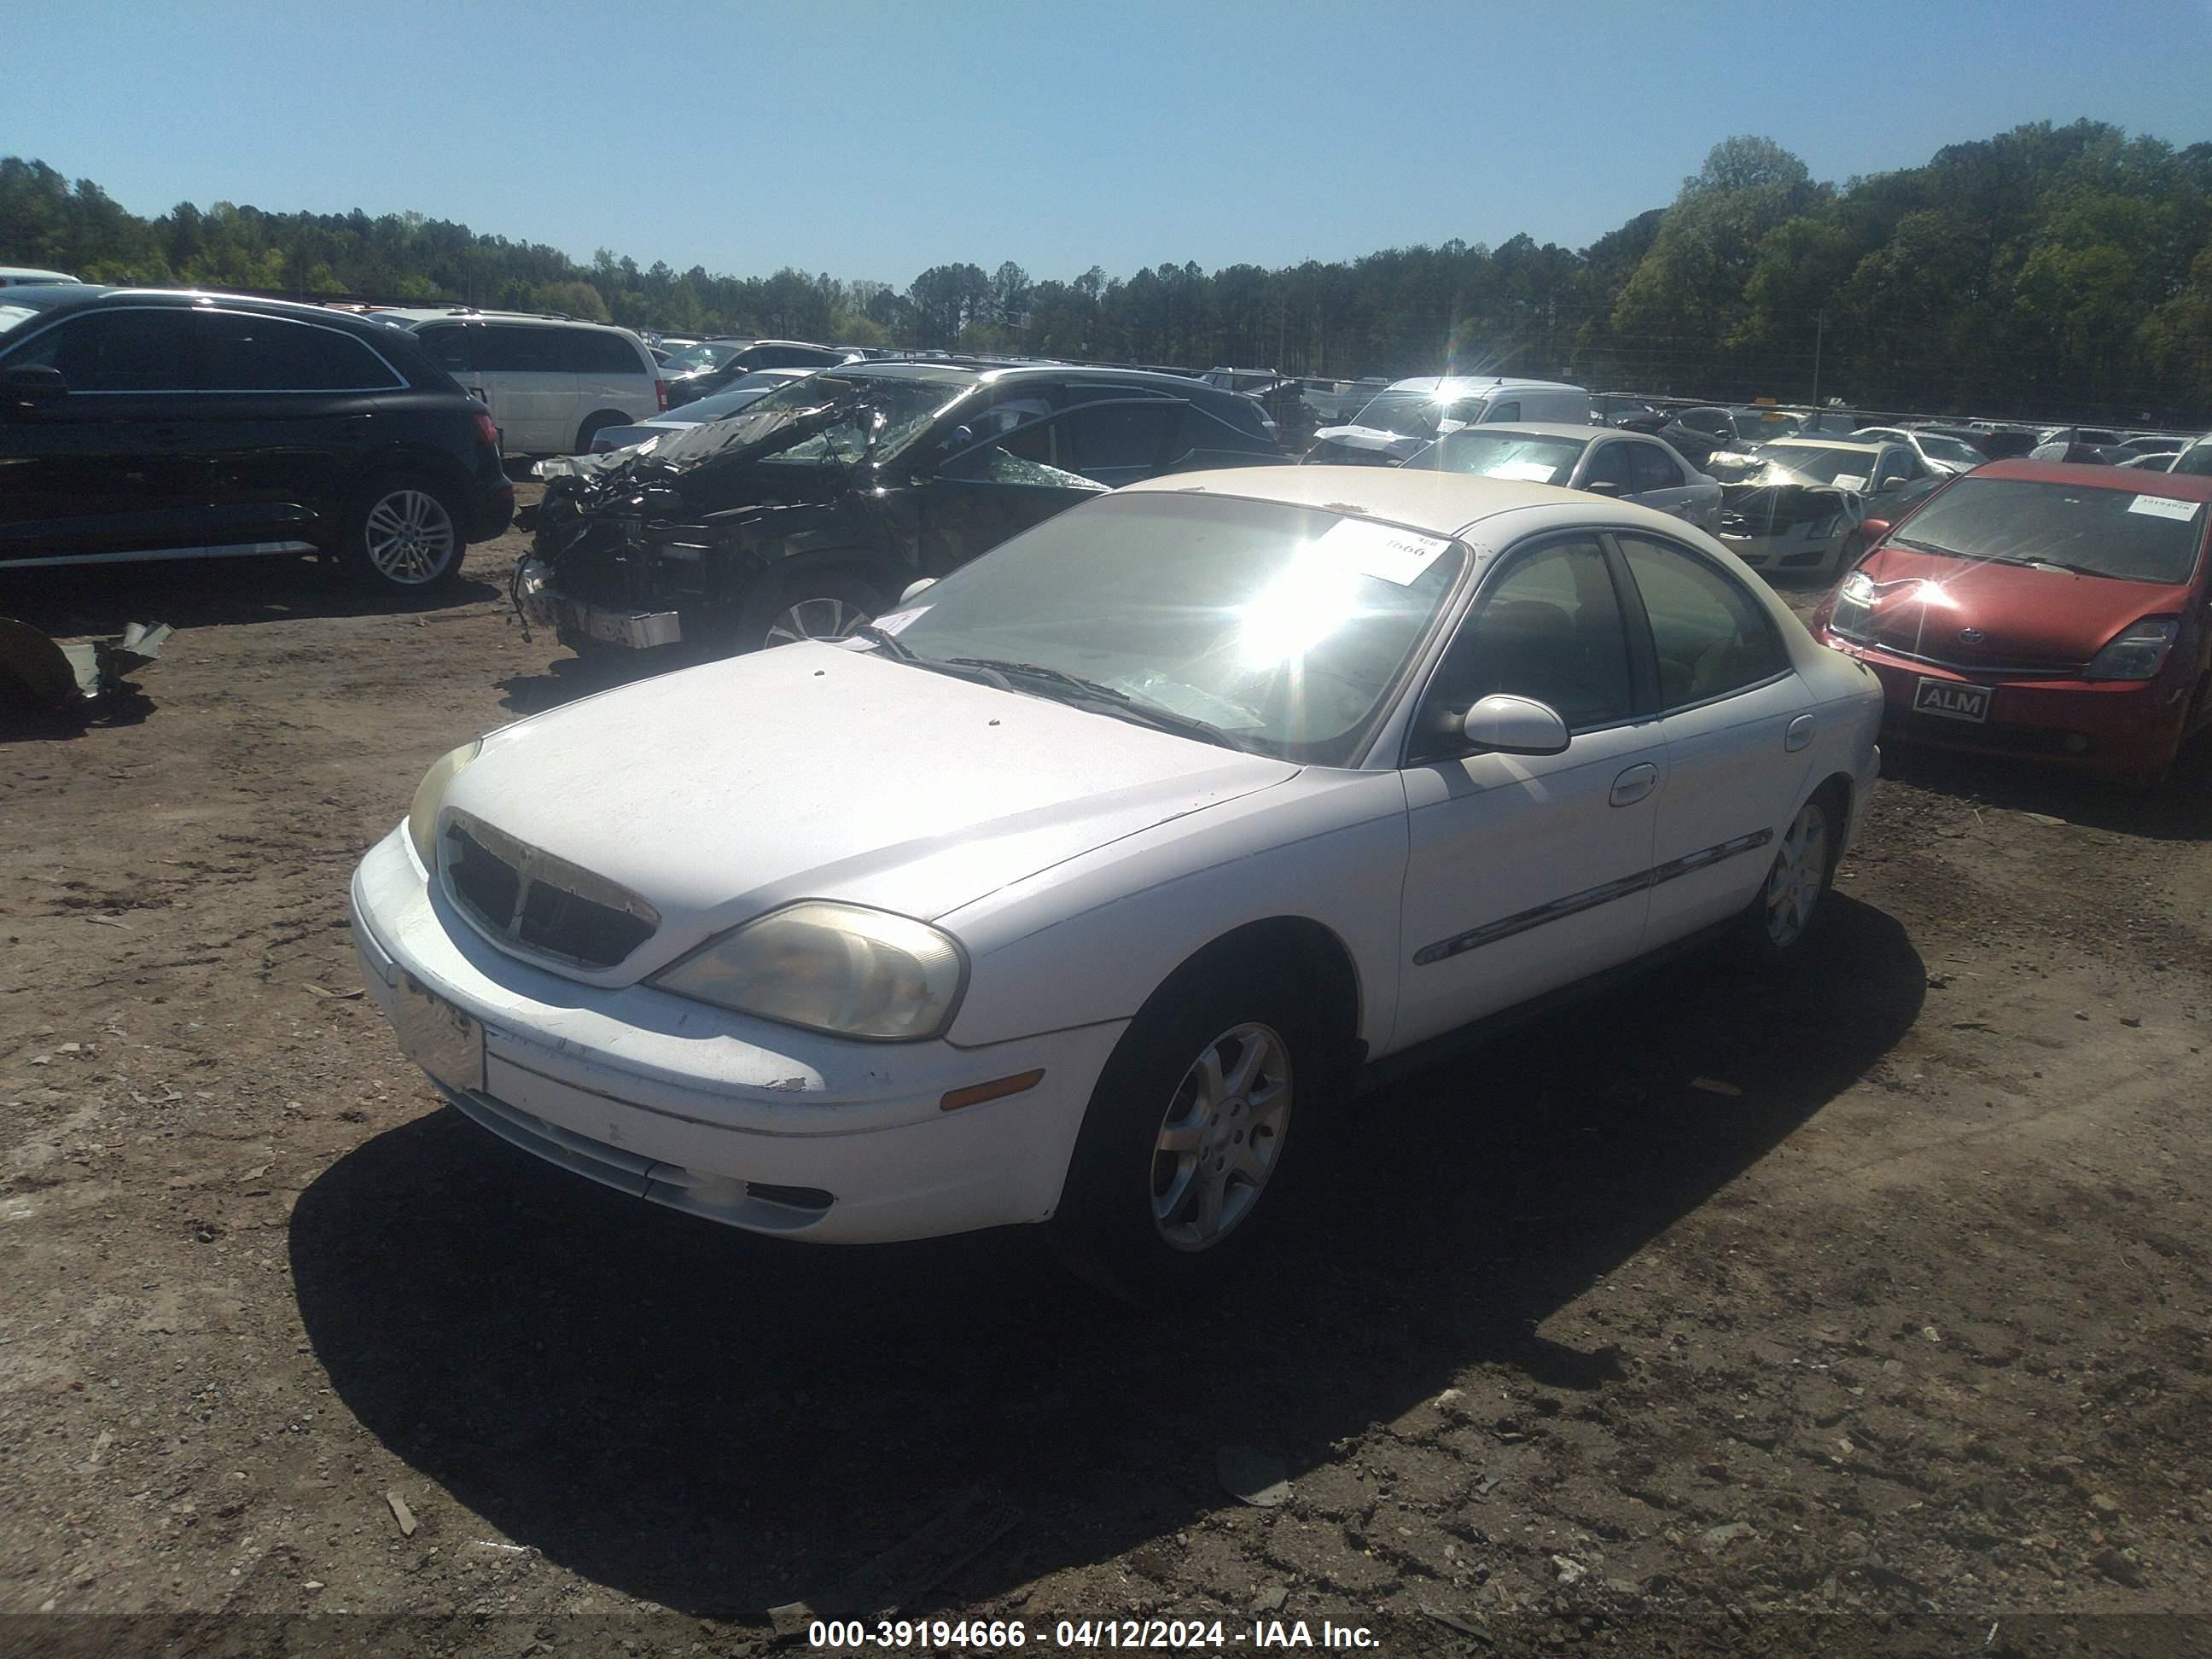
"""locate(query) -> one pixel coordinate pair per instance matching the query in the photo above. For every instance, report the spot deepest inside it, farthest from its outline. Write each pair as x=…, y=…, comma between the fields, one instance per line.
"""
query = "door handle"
x=1633, y=784
x=1800, y=733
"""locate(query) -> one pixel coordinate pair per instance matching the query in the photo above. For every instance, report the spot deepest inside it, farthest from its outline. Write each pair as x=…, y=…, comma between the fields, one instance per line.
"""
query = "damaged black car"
x=816, y=508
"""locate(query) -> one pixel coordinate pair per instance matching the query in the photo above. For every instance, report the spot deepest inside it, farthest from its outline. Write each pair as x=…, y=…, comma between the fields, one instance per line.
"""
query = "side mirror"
x=1873, y=530
x=33, y=383
x=914, y=589
x=1507, y=725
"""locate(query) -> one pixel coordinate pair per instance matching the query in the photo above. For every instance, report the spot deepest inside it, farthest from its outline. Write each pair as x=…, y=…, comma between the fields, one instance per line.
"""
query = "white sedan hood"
x=813, y=771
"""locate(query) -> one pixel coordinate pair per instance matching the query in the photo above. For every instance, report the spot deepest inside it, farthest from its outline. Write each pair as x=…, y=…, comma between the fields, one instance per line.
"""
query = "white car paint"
x=1078, y=859
x=1459, y=400
x=548, y=381
x=1690, y=497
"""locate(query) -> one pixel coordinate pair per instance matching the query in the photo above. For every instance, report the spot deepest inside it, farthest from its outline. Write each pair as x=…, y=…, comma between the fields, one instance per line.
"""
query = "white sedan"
x=1628, y=466
x=1075, y=889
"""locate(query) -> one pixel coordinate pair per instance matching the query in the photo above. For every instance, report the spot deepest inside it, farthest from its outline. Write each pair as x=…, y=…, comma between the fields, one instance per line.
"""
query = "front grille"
x=531, y=902
x=1991, y=670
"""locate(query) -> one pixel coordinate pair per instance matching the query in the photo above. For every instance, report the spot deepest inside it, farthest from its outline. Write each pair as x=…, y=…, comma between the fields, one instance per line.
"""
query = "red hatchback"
x=2038, y=608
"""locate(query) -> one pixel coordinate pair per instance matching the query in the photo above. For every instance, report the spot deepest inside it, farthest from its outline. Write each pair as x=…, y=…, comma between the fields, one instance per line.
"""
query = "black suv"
x=817, y=507
x=141, y=424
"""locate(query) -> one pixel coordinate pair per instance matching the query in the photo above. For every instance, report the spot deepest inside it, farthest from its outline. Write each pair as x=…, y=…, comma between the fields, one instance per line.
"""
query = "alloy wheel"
x=1800, y=869
x=816, y=619
x=1222, y=1136
x=408, y=538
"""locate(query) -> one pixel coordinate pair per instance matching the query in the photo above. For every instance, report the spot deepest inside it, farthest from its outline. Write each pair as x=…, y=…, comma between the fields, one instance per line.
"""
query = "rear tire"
x=1181, y=1160
x=403, y=536
x=1773, y=927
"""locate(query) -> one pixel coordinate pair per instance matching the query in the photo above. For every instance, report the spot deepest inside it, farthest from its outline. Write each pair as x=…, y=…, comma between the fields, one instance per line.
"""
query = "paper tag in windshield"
x=1378, y=551
x=898, y=619
x=2163, y=507
x=1524, y=471
x=1849, y=481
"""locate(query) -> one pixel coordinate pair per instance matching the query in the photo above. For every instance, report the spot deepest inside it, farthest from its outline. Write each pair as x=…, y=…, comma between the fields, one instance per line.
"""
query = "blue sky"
x=872, y=140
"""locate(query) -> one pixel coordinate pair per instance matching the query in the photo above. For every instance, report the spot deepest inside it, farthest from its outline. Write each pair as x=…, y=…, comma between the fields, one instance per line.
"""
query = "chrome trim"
x=236, y=550
x=1589, y=898
x=534, y=867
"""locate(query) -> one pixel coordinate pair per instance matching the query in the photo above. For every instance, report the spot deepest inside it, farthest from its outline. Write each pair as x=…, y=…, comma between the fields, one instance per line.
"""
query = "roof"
x=1581, y=433
x=58, y=296
x=411, y=314
x=2178, y=486
x=35, y=275
x=1440, y=503
x=1834, y=443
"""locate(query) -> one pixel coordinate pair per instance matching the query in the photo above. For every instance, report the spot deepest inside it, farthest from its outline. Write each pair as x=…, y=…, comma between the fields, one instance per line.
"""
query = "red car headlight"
x=2137, y=654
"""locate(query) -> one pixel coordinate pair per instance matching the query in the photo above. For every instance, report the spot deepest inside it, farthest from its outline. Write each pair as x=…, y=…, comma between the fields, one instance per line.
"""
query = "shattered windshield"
x=1838, y=469
x=904, y=404
x=1496, y=454
x=710, y=354
x=1281, y=631
x=2098, y=532
x=1408, y=413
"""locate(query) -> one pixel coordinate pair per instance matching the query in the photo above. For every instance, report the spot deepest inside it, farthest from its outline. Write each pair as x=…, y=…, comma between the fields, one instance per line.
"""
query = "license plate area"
x=444, y=1041
x=1951, y=700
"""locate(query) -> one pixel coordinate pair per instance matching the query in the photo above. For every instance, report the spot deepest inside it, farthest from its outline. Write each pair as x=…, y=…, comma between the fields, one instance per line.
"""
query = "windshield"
x=1938, y=448
x=2099, y=533
x=710, y=354
x=1491, y=454
x=904, y=405
x=1285, y=628
x=1841, y=469
x=1408, y=413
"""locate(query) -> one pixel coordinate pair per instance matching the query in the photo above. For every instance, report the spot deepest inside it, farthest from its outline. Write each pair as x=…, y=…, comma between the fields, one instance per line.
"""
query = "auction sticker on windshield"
x=1953, y=699
x=898, y=619
x=1849, y=481
x=2164, y=507
x=1381, y=551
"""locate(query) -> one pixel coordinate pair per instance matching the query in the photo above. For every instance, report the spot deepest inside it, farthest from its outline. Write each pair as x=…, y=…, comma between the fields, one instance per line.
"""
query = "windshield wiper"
x=1129, y=708
x=889, y=642
x=1928, y=546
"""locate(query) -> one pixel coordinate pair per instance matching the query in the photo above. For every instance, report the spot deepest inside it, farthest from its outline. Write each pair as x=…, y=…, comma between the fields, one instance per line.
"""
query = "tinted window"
x=1712, y=637
x=448, y=346
x=1548, y=626
x=1609, y=465
x=507, y=347
x=1094, y=442
x=246, y=353
x=146, y=350
x=598, y=352
x=776, y=356
x=1651, y=468
x=1503, y=412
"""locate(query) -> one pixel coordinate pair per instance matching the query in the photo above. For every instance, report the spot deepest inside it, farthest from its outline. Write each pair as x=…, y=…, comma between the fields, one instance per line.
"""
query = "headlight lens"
x=431, y=795
x=1854, y=605
x=830, y=967
x=2136, y=654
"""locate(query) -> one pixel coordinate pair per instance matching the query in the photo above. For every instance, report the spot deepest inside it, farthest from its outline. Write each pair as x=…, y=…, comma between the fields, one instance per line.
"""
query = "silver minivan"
x=552, y=384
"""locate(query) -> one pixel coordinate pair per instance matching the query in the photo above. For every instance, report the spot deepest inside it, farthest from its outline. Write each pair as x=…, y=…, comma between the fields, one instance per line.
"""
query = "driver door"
x=1526, y=872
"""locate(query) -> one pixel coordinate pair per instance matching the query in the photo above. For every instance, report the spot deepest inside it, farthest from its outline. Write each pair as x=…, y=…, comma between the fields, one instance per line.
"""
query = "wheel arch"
x=440, y=469
x=1327, y=972
x=599, y=417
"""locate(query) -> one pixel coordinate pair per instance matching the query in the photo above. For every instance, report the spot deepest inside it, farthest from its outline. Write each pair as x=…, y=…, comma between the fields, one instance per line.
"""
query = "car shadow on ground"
x=2180, y=809
x=721, y=1423
x=210, y=594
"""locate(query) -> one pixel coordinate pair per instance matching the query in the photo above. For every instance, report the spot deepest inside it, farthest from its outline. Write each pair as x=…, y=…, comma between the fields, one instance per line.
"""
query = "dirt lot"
x=1864, y=1312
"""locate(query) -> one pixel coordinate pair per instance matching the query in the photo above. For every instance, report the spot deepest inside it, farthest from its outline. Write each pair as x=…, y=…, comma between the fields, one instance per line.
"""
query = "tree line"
x=2049, y=271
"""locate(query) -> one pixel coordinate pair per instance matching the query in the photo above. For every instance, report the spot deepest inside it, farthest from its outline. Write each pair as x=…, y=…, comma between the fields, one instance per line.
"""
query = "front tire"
x=809, y=604
x=1181, y=1159
x=403, y=536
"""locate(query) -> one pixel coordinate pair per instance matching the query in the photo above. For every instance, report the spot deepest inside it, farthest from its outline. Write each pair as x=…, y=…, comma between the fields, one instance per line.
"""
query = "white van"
x=551, y=384
x=18, y=276
x=1406, y=416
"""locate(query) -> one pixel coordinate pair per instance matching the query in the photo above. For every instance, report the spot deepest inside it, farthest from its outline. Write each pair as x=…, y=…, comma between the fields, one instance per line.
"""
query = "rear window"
x=244, y=352
x=2141, y=536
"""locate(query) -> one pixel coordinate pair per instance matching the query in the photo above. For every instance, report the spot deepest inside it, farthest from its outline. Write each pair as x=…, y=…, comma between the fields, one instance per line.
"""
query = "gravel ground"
x=1863, y=1310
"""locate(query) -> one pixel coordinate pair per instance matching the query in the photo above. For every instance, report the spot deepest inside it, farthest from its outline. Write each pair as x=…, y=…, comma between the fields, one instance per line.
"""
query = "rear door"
x=1658, y=484
x=107, y=470
x=1040, y=465
x=1739, y=727
x=609, y=374
x=291, y=413
x=525, y=372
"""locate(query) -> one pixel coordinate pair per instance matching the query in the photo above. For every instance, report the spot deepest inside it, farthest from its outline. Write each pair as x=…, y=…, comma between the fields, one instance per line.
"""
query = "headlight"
x=1824, y=528
x=431, y=795
x=2138, y=654
x=1854, y=605
x=830, y=967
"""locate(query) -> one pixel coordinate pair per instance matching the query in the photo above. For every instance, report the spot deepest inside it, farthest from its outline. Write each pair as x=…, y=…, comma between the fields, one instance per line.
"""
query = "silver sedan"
x=1622, y=466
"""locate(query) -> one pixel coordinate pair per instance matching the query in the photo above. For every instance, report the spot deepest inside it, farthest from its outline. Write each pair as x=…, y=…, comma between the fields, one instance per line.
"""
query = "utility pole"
x=1820, y=328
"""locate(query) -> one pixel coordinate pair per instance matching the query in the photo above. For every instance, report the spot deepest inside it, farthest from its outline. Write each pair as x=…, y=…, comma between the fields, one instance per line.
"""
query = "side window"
x=1504, y=412
x=511, y=349
x=1547, y=626
x=1711, y=422
x=1118, y=438
x=1712, y=637
x=1651, y=468
x=148, y=351
x=448, y=346
x=246, y=353
x=596, y=352
x=1608, y=464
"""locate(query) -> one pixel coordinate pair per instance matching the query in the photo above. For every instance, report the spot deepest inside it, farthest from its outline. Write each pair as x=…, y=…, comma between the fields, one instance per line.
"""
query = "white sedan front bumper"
x=741, y=1120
